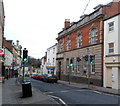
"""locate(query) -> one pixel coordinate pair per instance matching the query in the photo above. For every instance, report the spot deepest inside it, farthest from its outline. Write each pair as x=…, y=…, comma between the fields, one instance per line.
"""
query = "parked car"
x=32, y=75
x=38, y=76
x=50, y=78
x=26, y=75
x=43, y=77
x=35, y=76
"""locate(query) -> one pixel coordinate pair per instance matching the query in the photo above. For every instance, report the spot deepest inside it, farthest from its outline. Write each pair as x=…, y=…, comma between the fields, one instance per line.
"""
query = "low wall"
x=76, y=79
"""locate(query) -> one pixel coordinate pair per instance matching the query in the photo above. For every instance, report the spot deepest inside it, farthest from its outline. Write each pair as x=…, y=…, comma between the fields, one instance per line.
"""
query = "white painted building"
x=51, y=59
x=112, y=52
x=43, y=69
x=8, y=59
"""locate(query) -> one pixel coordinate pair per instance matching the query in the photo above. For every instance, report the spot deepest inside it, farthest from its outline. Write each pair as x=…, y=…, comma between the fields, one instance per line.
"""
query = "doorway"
x=109, y=77
x=59, y=70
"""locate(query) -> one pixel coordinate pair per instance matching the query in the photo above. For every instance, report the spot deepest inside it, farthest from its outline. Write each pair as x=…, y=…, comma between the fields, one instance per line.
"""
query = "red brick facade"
x=113, y=9
x=85, y=26
x=110, y=10
x=8, y=46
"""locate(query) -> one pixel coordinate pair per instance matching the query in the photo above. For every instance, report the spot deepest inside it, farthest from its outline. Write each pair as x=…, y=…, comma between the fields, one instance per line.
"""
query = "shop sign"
x=1, y=52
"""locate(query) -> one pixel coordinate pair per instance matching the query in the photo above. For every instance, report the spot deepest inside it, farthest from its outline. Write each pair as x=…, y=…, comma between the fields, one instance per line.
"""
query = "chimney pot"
x=67, y=23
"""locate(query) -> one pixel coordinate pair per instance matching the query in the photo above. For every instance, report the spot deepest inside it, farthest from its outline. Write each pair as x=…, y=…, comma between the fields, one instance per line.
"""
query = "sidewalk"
x=12, y=93
x=91, y=87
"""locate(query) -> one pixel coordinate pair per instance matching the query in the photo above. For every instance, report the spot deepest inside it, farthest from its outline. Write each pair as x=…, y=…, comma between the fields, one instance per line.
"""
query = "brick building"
x=78, y=39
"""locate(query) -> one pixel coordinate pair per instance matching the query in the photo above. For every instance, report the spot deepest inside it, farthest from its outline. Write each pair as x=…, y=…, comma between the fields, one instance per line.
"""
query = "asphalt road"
x=72, y=95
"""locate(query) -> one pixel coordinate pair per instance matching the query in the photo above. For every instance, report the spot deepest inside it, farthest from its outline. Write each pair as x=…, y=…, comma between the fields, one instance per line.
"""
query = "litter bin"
x=26, y=89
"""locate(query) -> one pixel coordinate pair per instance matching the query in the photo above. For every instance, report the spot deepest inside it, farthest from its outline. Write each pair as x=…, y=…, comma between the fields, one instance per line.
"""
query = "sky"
x=36, y=23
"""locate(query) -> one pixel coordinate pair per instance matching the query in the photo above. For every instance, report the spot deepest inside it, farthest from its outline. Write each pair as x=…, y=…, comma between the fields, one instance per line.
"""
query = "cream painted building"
x=112, y=52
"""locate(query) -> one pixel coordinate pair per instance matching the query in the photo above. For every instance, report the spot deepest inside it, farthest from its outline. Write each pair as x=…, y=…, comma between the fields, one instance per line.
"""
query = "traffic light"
x=71, y=62
x=78, y=59
x=92, y=59
x=25, y=55
x=86, y=57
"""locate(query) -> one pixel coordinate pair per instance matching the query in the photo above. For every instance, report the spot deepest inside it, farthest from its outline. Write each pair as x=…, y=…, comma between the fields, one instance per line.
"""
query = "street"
x=72, y=95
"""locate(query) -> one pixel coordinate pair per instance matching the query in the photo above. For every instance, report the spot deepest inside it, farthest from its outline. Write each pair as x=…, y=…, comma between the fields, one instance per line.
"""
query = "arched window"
x=79, y=40
x=68, y=43
x=93, y=36
x=60, y=46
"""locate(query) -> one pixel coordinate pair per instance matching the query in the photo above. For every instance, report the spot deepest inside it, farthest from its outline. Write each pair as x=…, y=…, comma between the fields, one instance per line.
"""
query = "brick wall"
x=112, y=10
x=85, y=35
x=8, y=45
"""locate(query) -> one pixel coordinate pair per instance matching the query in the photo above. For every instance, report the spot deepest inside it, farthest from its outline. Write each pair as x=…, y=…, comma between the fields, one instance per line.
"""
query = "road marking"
x=65, y=91
x=106, y=93
x=97, y=92
x=82, y=90
x=58, y=99
x=50, y=92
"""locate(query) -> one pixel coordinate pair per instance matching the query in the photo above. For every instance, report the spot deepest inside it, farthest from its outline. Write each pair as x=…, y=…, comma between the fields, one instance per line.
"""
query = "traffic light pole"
x=88, y=71
x=25, y=58
x=69, y=73
x=23, y=70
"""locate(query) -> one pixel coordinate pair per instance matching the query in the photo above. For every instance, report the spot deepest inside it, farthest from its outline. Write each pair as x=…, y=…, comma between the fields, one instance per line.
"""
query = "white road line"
x=59, y=99
x=97, y=92
x=106, y=93
x=82, y=90
x=65, y=91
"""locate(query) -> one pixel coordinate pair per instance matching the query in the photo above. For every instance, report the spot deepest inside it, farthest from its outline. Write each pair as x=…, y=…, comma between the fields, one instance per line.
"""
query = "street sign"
x=1, y=52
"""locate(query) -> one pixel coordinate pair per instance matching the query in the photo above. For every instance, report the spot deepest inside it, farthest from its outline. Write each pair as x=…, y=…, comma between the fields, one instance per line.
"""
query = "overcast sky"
x=36, y=23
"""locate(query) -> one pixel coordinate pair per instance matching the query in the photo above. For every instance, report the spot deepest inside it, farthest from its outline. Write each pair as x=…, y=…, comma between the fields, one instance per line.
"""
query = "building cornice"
x=80, y=48
x=77, y=26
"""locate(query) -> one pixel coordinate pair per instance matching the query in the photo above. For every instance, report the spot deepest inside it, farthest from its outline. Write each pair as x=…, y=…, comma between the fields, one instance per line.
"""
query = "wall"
x=112, y=10
x=1, y=30
x=112, y=60
x=8, y=58
x=111, y=36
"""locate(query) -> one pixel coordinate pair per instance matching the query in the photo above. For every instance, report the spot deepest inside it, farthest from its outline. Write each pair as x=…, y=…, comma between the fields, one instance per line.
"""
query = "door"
x=109, y=77
x=59, y=72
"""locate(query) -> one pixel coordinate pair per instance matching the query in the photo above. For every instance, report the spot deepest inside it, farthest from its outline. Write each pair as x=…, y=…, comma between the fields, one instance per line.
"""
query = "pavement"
x=91, y=87
x=12, y=94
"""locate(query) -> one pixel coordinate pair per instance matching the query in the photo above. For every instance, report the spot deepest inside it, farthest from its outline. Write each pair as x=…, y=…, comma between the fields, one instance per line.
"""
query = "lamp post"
x=88, y=67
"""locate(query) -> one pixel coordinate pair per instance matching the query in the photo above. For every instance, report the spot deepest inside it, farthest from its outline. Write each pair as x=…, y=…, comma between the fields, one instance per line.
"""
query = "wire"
x=86, y=7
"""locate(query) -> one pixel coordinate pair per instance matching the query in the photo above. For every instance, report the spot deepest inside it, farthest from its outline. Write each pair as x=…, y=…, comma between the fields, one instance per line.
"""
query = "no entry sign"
x=1, y=52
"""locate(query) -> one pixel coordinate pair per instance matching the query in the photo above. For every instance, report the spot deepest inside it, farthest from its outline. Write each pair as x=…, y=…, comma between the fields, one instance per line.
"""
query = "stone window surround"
x=92, y=28
x=77, y=38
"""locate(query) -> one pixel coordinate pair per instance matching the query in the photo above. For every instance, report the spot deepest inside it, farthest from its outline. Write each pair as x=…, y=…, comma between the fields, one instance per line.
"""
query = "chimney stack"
x=17, y=41
x=67, y=23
